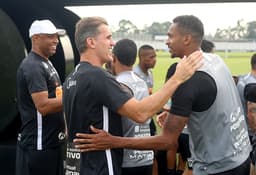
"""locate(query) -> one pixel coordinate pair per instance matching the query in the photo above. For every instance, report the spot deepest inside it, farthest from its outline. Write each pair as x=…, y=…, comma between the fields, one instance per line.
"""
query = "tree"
x=157, y=28
x=239, y=31
x=126, y=26
x=232, y=33
x=251, y=30
x=218, y=34
x=224, y=34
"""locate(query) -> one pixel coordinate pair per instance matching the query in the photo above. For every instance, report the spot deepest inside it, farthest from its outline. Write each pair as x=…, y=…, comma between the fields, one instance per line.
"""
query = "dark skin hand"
x=102, y=140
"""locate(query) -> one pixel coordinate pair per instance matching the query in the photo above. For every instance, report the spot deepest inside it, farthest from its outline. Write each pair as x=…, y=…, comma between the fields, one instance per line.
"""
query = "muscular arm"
x=46, y=105
x=140, y=111
x=103, y=140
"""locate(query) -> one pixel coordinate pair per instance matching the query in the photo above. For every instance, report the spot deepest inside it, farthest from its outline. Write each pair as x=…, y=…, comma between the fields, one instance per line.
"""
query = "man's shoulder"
x=137, y=69
x=171, y=70
x=246, y=79
x=89, y=69
x=29, y=64
x=198, y=80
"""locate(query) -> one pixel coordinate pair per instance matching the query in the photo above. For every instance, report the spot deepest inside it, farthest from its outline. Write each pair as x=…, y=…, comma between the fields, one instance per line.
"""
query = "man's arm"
x=102, y=140
x=46, y=105
x=140, y=111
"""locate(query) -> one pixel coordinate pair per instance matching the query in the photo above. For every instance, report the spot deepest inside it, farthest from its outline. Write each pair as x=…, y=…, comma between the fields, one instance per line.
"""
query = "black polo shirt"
x=36, y=74
x=92, y=96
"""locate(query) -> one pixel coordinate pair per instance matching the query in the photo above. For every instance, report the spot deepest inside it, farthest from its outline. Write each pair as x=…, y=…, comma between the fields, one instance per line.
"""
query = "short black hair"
x=253, y=61
x=145, y=47
x=126, y=51
x=207, y=46
x=190, y=24
x=250, y=92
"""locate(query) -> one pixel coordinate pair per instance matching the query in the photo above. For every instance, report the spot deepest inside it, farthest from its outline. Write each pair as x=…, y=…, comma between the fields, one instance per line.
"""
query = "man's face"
x=104, y=44
x=148, y=58
x=47, y=43
x=175, y=41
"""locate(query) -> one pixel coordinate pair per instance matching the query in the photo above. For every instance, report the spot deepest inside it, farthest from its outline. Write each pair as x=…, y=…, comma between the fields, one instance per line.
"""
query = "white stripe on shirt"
x=108, y=152
x=39, y=131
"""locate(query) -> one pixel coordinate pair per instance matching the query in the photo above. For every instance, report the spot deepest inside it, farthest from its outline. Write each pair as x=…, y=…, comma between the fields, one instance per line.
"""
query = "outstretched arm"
x=102, y=140
x=140, y=111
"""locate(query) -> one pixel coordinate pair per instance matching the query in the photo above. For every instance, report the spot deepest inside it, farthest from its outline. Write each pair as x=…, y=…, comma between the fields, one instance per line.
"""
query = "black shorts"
x=183, y=147
x=39, y=162
x=142, y=170
x=243, y=169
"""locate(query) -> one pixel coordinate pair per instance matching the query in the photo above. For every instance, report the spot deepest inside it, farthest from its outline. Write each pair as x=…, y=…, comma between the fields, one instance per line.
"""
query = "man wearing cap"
x=39, y=94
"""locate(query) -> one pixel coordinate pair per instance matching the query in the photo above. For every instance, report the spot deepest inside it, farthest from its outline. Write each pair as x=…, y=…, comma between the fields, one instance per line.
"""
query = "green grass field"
x=238, y=63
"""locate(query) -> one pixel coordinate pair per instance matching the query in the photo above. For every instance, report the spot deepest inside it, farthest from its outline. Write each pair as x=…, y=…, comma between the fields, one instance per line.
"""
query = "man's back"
x=135, y=158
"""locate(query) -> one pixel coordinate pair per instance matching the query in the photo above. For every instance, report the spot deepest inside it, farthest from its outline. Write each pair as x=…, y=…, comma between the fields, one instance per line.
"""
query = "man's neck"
x=122, y=68
x=253, y=72
x=38, y=52
x=190, y=51
x=144, y=69
x=91, y=58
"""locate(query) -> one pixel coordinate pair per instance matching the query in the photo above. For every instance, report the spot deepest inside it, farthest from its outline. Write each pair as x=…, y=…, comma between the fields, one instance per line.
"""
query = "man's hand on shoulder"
x=187, y=66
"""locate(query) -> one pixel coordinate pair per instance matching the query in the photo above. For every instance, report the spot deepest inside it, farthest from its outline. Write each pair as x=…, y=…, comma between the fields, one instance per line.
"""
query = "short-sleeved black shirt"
x=196, y=94
x=86, y=90
x=36, y=74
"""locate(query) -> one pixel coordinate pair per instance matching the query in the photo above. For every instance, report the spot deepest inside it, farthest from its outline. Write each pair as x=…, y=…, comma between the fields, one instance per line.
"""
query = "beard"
x=173, y=55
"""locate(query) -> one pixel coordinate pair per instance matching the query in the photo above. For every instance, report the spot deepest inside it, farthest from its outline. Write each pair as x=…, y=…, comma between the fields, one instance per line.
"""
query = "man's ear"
x=90, y=42
x=187, y=39
x=35, y=37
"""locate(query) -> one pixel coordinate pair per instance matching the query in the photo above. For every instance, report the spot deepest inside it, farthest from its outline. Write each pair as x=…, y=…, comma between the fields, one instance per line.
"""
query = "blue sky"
x=213, y=15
